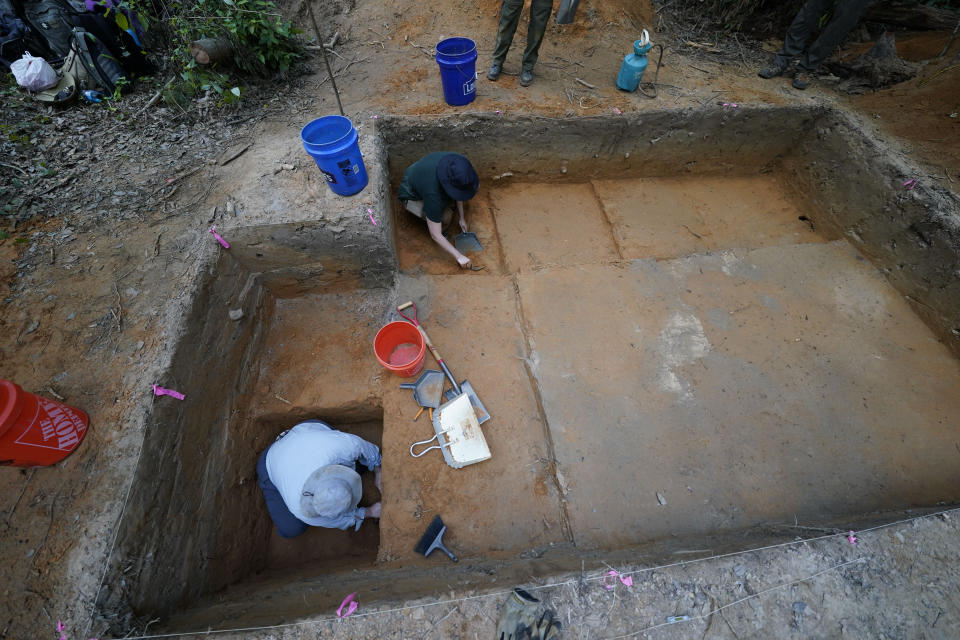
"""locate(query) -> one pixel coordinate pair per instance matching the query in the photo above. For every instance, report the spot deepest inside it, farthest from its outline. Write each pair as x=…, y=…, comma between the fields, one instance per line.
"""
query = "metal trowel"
x=467, y=242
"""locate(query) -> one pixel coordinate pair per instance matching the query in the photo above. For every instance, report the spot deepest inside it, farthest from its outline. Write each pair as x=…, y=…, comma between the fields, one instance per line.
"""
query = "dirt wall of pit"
x=854, y=183
x=660, y=143
x=189, y=467
x=293, y=597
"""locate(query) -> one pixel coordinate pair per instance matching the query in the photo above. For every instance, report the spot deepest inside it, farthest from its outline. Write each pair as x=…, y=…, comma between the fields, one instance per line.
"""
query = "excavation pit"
x=690, y=325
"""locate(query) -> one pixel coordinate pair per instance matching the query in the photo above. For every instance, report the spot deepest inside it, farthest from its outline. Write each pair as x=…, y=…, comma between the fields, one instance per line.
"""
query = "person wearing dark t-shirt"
x=431, y=185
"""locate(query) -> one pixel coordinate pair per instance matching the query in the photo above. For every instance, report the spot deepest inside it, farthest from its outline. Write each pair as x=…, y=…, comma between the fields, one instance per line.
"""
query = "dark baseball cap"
x=457, y=177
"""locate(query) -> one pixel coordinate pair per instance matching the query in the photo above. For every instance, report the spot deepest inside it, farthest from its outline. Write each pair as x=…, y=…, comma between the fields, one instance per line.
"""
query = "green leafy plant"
x=263, y=42
x=197, y=79
x=119, y=88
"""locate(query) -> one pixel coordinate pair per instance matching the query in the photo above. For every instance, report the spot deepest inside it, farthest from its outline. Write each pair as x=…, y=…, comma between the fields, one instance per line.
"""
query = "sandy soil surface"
x=93, y=278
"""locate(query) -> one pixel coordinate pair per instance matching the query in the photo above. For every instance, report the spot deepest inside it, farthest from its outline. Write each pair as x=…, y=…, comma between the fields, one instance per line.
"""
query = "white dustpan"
x=458, y=434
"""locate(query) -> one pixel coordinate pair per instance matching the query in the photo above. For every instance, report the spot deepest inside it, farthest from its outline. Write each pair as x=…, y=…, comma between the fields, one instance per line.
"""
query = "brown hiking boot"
x=771, y=71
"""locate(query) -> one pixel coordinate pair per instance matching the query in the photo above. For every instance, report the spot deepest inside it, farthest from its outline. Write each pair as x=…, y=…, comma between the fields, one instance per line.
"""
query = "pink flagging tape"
x=610, y=580
x=910, y=184
x=617, y=111
x=370, y=215
x=223, y=243
x=350, y=604
x=731, y=104
x=851, y=538
x=61, y=628
x=160, y=391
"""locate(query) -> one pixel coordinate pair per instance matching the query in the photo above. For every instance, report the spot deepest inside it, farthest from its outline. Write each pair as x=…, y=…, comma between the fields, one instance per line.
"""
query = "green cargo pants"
x=509, y=18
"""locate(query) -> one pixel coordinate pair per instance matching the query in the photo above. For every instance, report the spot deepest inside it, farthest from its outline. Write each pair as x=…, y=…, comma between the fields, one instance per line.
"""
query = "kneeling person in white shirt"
x=308, y=479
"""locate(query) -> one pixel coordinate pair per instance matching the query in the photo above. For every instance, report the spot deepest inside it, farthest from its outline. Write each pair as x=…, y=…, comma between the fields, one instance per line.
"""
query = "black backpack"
x=49, y=21
x=101, y=68
x=16, y=38
x=107, y=55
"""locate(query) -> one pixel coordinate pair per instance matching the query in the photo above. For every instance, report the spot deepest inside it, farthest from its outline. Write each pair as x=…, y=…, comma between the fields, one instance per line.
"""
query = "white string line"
x=704, y=616
x=551, y=586
x=786, y=544
x=113, y=542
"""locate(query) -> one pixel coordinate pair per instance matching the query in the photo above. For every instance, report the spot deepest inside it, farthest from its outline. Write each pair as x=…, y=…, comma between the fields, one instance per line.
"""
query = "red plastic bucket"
x=35, y=431
x=400, y=348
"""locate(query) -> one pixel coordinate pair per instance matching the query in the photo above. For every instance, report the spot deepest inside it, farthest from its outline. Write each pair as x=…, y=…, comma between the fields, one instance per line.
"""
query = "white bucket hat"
x=330, y=491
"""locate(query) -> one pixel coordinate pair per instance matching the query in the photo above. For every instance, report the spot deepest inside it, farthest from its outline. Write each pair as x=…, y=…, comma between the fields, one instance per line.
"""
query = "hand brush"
x=433, y=539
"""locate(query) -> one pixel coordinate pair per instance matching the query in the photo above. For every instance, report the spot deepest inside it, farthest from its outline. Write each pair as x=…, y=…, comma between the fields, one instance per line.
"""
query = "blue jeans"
x=288, y=525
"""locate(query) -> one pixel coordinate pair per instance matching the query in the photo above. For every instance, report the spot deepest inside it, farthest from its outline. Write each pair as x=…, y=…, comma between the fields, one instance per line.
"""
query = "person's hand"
x=463, y=225
x=464, y=262
x=373, y=511
x=378, y=478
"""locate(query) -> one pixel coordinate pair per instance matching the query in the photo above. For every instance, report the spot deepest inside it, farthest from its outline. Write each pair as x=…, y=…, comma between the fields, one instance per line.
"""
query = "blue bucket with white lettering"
x=332, y=142
x=457, y=58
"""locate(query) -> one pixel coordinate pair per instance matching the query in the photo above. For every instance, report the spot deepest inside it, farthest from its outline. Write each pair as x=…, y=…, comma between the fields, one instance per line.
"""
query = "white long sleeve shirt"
x=307, y=447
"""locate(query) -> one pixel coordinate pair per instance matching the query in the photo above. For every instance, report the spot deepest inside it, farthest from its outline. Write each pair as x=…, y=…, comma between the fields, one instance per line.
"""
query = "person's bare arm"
x=463, y=218
x=436, y=232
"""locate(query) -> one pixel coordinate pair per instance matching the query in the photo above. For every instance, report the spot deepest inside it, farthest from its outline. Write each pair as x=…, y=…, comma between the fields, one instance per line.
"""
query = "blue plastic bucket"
x=332, y=142
x=457, y=58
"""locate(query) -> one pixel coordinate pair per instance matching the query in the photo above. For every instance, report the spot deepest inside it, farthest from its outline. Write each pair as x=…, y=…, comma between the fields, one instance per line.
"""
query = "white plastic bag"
x=34, y=74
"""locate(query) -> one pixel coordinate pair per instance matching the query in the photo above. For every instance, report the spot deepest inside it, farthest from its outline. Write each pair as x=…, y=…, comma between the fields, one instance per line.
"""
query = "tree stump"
x=877, y=68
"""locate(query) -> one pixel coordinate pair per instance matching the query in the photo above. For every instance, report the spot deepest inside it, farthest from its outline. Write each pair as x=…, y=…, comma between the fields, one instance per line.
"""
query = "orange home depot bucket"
x=400, y=348
x=35, y=431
